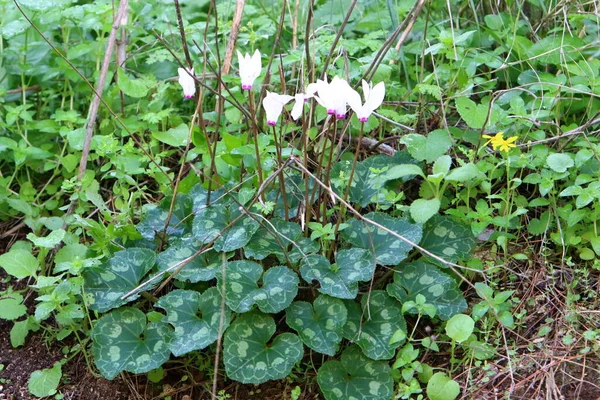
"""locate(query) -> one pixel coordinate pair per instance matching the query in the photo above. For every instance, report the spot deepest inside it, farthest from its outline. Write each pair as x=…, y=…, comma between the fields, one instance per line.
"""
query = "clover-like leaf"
x=105, y=284
x=197, y=318
x=123, y=341
x=388, y=249
x=230, y=227
x=355, y=377
x=340, y=279
x=373, y=326
x=438, y=288
x=203, y=267
x=155, y=219
x=248, y=358
x=319, y=328
x=282, y=239
x=448, y=239
x=242, y=292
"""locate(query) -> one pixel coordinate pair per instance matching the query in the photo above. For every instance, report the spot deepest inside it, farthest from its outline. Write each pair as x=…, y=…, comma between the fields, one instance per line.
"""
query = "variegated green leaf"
x=203, y=267
x=122, y=341
x=282, y=239
x=355, y=377
x=247, y=357
x=448, y=239
x=279, y=286
x=373, y=326
x=105, y=284
x=388, y=249
x=339, y=279
x=230, y=227
x=319, y=328
x=422, y=278
x=196, y=318
x=368, y=178
x=155, y=219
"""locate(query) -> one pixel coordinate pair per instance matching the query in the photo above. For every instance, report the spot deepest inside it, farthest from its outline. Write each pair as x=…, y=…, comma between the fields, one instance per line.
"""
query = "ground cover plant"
x=330, y=199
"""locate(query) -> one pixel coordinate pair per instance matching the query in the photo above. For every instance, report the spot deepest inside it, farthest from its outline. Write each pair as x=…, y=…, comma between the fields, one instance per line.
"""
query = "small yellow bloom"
x=498, y=142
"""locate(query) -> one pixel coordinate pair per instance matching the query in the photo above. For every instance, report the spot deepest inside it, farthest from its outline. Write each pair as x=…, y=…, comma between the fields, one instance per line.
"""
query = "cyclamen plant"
x=334, y=96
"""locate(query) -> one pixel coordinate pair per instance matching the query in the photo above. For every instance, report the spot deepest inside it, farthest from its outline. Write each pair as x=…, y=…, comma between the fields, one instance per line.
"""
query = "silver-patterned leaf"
x=247, y=357
x=355, y=377
x=155, y=219
x=448, y=239
x=320, y=324
x=197, y=318
x=122, y=341
x=388, y=249
x=242, y=291
x=373, y=325
x=203, y=267
x=282, y=239
x=105, y=284
x=340, y=279
x=438, y=288
x=229, y=227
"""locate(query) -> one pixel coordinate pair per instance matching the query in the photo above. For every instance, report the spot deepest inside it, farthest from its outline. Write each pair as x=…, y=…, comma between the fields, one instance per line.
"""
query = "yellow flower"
x=498, y=142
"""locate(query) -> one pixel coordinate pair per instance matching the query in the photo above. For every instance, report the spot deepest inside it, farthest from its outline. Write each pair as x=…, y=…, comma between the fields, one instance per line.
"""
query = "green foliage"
x=340, y=279
x=440, y=387
x=421, y=278
x=319, y=325
x=373, y=324
x=124, y=341
x=107, y=283
x=355, y=376
x=43, y=383
x=387, y=248
x=247, y=357
x=197, y=319
x=279, y=286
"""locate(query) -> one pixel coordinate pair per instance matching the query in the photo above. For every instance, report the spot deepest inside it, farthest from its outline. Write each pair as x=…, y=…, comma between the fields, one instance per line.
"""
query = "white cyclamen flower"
x=186, y=81
x=373, y=99
x=273, y=104
x=249, y=68
x=302, y=98
x=333, y=95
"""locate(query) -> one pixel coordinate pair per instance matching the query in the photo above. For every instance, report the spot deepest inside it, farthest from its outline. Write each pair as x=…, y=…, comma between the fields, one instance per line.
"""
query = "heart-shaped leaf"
x=422, y=278
x=105, y=284
x=203, y=267
x=242, y=292
x=248, y=358
x=440, y=387
x=340, y=279
x=230, y=227
x=448, y=239
x=197, y=318
x=122, y=341
x=388, y=249
x=373, y=326
x=319, y=328
x=281, y=238
x=368, y=179
x=355, y=377
x=155, y=219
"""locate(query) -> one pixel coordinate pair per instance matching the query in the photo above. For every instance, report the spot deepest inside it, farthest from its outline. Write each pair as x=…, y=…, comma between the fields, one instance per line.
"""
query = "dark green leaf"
x=373, y=326
x=340, y=279
x=448, y=239
x=388, y=249
x=247, y=357
x=422, y=278
x=319, y=328
x=196, y=318
x=355, y=377
x=107, y=283
x=155, y=219
x=122, y=341
x=242, y=292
